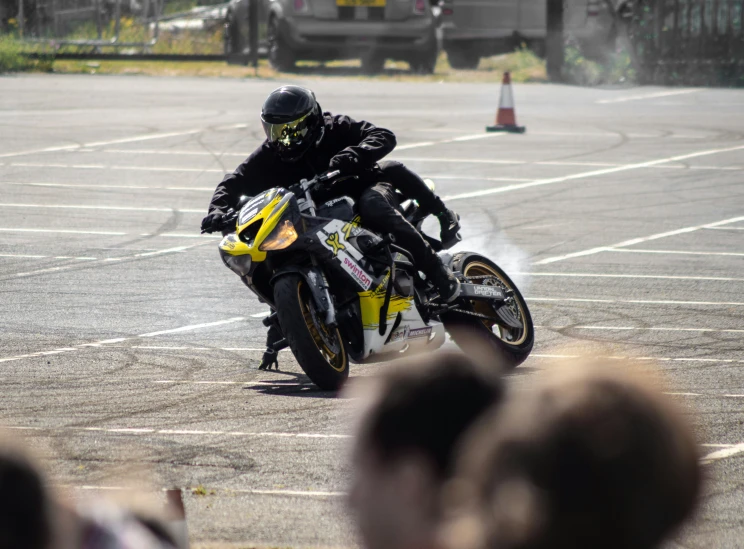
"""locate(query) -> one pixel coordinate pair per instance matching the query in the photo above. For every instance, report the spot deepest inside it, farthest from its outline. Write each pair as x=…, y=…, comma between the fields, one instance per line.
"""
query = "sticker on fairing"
x=247, y=216
x=488, y=291
x=419, y=332
x=357, y=273
x=398, y=334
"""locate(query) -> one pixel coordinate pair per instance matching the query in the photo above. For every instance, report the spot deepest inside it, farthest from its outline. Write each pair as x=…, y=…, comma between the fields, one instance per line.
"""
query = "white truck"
x=472, y=29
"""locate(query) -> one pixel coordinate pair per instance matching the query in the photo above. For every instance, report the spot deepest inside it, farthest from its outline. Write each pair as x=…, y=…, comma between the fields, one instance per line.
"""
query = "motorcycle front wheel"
x=319, y=350
x=512, y=345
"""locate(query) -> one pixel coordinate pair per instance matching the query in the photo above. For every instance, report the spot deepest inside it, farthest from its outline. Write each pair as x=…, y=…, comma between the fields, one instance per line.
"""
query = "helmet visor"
x=289, y=135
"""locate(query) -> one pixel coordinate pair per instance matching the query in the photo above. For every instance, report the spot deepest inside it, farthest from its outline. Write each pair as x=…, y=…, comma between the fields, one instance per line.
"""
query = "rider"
x=303, y=142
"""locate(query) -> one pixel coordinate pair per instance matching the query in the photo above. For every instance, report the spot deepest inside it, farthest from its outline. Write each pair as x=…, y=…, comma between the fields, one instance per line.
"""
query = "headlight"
x=283, y=235
x=239, y=264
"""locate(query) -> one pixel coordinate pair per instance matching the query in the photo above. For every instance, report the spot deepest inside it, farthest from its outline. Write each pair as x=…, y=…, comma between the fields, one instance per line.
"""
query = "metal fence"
x=692, y=42
x=110, y=25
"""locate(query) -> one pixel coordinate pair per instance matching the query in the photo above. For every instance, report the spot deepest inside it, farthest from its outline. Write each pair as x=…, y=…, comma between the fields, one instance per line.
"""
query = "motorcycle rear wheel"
x=512, y=346
x=319, y=350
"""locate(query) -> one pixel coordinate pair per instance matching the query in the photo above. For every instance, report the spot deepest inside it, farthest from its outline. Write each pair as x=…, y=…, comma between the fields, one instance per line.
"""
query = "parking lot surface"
x=129, y=351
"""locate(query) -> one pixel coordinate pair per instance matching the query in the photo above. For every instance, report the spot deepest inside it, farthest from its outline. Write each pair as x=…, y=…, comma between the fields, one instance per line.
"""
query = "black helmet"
x=292, y=120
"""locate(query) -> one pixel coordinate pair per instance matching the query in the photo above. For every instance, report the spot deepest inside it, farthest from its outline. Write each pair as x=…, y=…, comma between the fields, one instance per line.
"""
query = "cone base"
x=504, y=128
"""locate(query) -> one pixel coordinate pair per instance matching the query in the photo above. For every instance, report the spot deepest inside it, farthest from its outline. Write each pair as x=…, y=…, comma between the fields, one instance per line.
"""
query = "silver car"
x=324, y=30
x=478, y=28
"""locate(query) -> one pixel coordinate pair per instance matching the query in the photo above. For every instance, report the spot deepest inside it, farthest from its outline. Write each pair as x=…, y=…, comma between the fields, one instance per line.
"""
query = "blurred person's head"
x=25, y=504
x=407, y=441
x=590, y=458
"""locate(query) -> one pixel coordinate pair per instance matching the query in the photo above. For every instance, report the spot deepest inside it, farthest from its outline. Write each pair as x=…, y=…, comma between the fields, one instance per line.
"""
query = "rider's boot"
x=450, y=223
x=271, y=357
x=445, y=281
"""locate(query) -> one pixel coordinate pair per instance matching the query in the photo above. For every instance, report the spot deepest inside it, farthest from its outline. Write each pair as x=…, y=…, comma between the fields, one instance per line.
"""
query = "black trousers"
x=379, y=211
x=411, y=185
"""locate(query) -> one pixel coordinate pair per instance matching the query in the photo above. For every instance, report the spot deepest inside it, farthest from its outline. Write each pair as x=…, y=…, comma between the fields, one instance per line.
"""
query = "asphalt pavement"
x=129, y=351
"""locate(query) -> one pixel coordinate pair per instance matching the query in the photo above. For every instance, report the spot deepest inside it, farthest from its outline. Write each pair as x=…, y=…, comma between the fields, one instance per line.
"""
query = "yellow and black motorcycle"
x=342, y=293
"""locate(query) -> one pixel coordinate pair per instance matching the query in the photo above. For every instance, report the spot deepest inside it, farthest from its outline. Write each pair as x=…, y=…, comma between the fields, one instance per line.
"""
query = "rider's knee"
x=388, y=166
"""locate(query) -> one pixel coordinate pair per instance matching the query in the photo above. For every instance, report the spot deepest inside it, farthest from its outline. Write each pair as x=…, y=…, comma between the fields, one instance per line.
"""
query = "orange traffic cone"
x=506, y=119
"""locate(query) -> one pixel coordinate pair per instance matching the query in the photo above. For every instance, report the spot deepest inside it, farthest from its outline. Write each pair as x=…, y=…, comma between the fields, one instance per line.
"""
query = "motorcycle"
x=342, y=293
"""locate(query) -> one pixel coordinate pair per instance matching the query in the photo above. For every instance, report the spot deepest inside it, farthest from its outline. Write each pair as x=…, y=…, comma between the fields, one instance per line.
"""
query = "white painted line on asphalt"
x=475, y=178
x=634, y=241
x=108, y=233
x=725, y=228
x=711, y=395
x=595, y=173
x=126, y=187
x=135, y=139
x=654, y=95
x=96, y=207
x=61, y=231
x=472, y=137
x=195, y=327
x=242, y=383
x=184, y=432
x=642, y=358
x=109, y=260
x=23, y=256
x=101, y=343
x=636, y=301
x=258, y=492
x=261, y=314
x=631, y=276
x=672, y=252
x=116, y=168
x=172, y=152
x=722, y=454
x=458, y=160
x=643, y=329
x=293, y=493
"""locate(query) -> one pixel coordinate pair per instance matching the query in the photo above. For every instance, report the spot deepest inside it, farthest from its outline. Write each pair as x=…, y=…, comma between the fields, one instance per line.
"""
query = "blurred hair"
x=25, y=505
x=423, y=407
x=591, y=458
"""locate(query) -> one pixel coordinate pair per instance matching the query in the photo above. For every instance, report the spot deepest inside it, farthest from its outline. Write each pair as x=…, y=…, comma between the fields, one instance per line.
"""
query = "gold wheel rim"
x=477, y=268
x=337, y=361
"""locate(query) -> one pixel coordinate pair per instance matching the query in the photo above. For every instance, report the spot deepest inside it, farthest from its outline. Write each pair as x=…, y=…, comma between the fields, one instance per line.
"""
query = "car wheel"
x=281, y=57
x=425, y=63
x=231, y=36
x=462, y=57
x=373, y=63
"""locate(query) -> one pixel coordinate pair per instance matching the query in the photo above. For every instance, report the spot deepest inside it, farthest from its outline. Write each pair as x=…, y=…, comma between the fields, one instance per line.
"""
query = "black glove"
x=270, y=357
x=346, y=163
x=212, y=222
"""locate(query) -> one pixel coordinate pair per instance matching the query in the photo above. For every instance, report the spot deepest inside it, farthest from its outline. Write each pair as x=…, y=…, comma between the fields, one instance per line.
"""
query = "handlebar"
x=305, y=185
x=323, y=178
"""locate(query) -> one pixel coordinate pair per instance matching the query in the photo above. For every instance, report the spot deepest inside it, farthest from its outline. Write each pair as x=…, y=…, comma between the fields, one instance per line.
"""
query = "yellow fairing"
x=371, y=302
x=241, y=248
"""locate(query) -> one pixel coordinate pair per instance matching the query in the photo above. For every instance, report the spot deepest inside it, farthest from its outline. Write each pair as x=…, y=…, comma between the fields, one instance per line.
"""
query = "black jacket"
x=353, y=147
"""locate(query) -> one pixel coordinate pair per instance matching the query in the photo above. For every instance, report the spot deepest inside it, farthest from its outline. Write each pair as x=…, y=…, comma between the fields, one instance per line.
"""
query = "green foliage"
x=523, y=64
x=11, y=55
x=13, y=58
x=615, y=68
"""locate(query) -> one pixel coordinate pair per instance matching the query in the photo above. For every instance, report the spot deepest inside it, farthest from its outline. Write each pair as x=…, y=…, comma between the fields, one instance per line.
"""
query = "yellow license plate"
x=361, y=3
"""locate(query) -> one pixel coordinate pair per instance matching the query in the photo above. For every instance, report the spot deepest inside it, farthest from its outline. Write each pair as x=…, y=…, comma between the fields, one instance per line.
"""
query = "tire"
x=281, y=56
x=424, y=64
x=373, y=63
x=462, y=57
x=296, y=313
x=511, y=345
x=231, y=37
